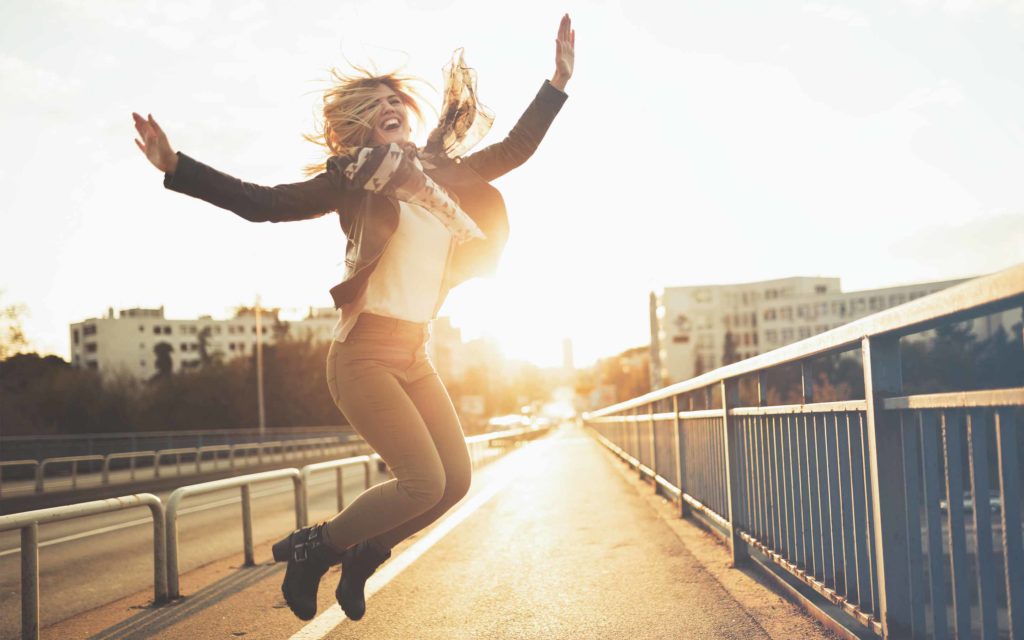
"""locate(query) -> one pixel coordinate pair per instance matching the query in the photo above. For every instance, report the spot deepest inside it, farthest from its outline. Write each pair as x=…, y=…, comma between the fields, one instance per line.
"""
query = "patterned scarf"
x=396, y=170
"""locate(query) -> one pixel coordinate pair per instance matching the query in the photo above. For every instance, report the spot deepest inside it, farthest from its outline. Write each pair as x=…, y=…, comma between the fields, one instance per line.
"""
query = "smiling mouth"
x=391, y=124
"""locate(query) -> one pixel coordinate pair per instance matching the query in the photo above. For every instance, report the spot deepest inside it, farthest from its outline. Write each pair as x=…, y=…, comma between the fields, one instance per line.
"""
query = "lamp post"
x=259, y=369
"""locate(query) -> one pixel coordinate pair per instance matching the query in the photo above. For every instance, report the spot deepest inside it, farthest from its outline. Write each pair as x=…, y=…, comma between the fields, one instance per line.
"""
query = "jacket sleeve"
x=498, y=159
x=256, y=203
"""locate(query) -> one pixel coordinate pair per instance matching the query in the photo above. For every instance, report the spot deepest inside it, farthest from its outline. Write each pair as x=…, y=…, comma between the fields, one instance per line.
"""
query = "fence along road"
x=851, y=497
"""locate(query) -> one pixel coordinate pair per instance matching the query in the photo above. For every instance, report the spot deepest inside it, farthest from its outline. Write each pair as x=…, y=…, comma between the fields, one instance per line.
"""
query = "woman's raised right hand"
x=154, y=144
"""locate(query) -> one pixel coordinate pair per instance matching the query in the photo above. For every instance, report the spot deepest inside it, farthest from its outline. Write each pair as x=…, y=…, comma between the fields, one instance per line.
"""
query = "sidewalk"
x=561, y=544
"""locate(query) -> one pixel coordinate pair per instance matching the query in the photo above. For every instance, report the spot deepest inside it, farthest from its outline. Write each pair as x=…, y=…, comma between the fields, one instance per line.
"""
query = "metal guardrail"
x=29, y=522
x=244, y=482
x=184, y=458
x=131, y=456
x=72, y=460
x=853, y=498
x=339, y=467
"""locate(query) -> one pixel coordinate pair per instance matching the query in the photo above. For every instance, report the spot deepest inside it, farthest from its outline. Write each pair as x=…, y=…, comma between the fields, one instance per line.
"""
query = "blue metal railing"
x=903, y=510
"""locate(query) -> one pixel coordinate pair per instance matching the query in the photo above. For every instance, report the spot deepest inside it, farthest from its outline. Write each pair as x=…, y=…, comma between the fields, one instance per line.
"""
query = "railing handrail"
x=339, y=465
x=29, y=521
x=970, y=299
x=244, y=482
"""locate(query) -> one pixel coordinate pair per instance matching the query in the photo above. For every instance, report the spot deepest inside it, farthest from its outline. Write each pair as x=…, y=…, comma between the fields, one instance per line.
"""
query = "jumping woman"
x=418, y=221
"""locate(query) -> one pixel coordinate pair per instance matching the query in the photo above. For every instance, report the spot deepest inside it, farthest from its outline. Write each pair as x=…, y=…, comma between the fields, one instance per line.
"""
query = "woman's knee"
x=457, y=483
x=427, y=486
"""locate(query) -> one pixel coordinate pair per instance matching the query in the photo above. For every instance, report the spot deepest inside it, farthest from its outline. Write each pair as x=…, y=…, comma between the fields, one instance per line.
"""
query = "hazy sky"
x=703, y=142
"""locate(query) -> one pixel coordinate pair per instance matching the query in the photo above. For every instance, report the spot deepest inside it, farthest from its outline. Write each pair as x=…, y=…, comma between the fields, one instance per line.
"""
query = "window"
x=157, y=330
x=89, y=330
x=167, y=330
x=74, y=335
x=231, y=330
x=142, y=363
x=805, y=332
x=184, y=346
x=787, y=335
x=820, y=289
x=680, y=339
x=90, y=347
x=231, y=346
x=254, y=329
x=702, y=295
x=141, y=328
x=771, y=336
x=769, y=314
x=771, y=294
x=786, y=313
x=92, y=364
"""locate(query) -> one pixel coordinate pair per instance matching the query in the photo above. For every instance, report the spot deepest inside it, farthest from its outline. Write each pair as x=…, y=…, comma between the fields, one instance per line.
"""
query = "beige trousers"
x=388, y=390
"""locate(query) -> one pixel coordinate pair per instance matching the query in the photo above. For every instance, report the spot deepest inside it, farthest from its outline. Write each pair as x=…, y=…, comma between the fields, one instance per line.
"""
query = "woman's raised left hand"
x=565, y=53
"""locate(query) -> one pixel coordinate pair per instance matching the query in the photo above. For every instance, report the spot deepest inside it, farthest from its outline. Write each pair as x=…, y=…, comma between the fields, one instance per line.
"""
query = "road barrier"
x=72, y=460
x=851, y=498
x=243, y=482
x=29, y=522
x=186, y=460
x=339, y=467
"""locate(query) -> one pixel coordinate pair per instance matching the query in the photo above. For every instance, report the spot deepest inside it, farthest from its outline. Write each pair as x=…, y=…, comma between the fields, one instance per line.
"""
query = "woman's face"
x=392, y=121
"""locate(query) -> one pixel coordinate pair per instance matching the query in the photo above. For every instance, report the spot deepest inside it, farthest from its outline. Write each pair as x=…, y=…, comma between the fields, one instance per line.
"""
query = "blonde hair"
x=350, y=108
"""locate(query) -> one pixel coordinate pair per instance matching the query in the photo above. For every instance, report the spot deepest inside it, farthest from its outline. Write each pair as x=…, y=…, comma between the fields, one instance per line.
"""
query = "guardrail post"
x=30, y=582
x=250, y=556
x=654, y=447
x=806, y=384
x=340, y=487
x=677, y=445
x=883, y=377
x=39, y=476
x=730, y=398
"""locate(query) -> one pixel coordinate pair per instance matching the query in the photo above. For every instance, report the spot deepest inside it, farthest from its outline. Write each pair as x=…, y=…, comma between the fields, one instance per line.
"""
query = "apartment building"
x=690, y=325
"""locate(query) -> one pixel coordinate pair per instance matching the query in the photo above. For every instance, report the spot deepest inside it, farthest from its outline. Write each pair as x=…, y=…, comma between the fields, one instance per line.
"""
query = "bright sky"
x=703, y=142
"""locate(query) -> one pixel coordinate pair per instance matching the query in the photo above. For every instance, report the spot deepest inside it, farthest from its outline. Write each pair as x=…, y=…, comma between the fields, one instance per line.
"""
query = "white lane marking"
x=132, y=523
x=333, y=616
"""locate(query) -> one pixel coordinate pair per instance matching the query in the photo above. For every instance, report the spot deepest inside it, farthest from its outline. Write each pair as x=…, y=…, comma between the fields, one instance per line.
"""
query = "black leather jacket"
x=369, y=219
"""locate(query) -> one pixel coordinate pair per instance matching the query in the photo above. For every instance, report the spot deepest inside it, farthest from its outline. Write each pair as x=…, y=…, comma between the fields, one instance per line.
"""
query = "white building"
x=689, y=324
x=126, y=343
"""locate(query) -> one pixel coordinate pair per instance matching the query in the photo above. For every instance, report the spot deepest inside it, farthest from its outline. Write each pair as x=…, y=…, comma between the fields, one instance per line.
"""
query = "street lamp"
x=259, y=369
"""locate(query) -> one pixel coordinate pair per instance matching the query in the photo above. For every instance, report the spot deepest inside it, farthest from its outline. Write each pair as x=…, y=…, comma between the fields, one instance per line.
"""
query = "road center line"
x=333, y=616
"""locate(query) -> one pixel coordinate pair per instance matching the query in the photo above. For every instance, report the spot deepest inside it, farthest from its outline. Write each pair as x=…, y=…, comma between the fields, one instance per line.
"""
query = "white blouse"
x=406, y=282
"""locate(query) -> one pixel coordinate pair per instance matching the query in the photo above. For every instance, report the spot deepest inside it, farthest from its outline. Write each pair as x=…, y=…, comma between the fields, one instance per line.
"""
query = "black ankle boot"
x=308, y=558
x=357, y=564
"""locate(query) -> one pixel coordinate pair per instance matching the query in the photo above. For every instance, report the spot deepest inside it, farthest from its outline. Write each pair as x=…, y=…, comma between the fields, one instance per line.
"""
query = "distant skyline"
x=881, y=142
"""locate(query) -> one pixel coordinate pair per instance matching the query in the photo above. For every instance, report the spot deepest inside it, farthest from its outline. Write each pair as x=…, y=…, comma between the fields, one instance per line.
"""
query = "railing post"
x=30, y=582
x=654, y=447
x=806, y=384
x=250, y=556
x=882, y=378
x=677, y=445
x=340, y=487
x=730, y=398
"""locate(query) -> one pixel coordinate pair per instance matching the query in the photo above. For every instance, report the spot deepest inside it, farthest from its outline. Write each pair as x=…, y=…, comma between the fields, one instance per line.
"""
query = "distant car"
x=506, y=422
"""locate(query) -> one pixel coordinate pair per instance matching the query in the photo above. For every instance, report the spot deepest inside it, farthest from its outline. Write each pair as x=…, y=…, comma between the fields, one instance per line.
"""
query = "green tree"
x=164, y=362
x=12, y=334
